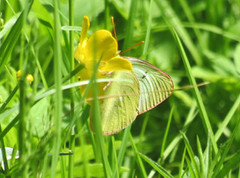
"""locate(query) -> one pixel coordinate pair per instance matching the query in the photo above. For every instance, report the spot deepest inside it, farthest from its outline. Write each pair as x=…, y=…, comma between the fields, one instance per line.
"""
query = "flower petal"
x=115, y=63
x=103, y=44
x=79, y=52
x=85, y=27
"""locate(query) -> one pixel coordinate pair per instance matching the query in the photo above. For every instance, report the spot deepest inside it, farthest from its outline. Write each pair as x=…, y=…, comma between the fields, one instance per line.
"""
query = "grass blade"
x=172, y=18
x=156, y=166
x=191, y=155
x=130, y=26
x=190, y=169
x=3, y=151
x=71, y=57
x=227, y=119
x=230, y=165
x=147, y=38
x=198, y=97
x=122, y=149
x=208, y=155
x=9, y=98
x=58, y=94
x=176, y=140
x=12, y=38
x=224, y=151
x=166, y=133
x=182, y=163
x=201, y=158
x=139, y=161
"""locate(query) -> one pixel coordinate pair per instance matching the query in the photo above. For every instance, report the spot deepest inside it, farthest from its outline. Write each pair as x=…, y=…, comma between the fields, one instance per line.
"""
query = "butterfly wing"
x=155, y=85
x=120, y=105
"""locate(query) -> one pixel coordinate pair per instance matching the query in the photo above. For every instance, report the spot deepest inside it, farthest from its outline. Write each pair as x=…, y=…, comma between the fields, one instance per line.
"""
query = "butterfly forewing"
x=119, y=108
x=155, y=85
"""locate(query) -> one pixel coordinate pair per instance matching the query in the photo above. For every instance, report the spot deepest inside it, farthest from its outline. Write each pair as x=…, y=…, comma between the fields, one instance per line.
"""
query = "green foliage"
x=194, y=133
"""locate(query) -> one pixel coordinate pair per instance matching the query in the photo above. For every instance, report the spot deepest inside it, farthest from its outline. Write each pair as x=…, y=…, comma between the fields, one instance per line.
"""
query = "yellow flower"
x=100, y=47
x=29, y=77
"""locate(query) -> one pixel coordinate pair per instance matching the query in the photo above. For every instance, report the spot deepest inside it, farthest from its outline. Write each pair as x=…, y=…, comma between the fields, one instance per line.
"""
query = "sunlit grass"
x=194, y=133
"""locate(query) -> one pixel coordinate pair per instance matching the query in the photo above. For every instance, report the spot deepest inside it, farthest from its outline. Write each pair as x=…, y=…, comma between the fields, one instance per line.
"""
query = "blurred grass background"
x=174, y=139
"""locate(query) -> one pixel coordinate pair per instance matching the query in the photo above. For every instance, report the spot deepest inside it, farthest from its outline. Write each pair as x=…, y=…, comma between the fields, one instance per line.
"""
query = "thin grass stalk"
x=39, y=68
x=162, y=158
x=130, y=25
x=198, y=97
x=4, y=155
x=63, y=166
x=205, y=27
x=14, y=153
x=115, y=157
x=170, y=16
x=110, y=142
x=190, y=168
x=224, y=152
x=22, y=124
x=182, y=163
x=191, y=155
x=83, y=144
x=23, y=106
x=10, y=6
x=58, y=94
x=213, y=29
x=138, y=158
x=147, y=37
x=45, y=168
x=156, y=166
x=101, y=155
x=143, y=129
x=71, y=45
x=107, y=14
x=9, y=98
x=208, y=155
x=191, y=18
x=96, y=124
x=100, y=145
x=122, y=149
x=166, y=133
x=201, y=158
x=22, y=41
x=10, y=41
x=9, y=126
x=176, y=140
x=71, y=156
x=227, y=119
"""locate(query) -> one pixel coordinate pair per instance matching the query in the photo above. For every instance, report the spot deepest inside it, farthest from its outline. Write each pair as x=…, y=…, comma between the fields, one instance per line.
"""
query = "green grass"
x=194, y=133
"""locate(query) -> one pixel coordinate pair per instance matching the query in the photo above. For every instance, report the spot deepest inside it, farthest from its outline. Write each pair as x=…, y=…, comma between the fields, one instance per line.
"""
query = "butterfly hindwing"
x=155, y=85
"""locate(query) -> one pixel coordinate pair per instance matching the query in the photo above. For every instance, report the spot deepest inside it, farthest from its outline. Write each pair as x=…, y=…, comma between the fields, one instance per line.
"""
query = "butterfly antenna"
x=191, y=86
x=147, y=92
x=131, y=47
x=114, y=29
